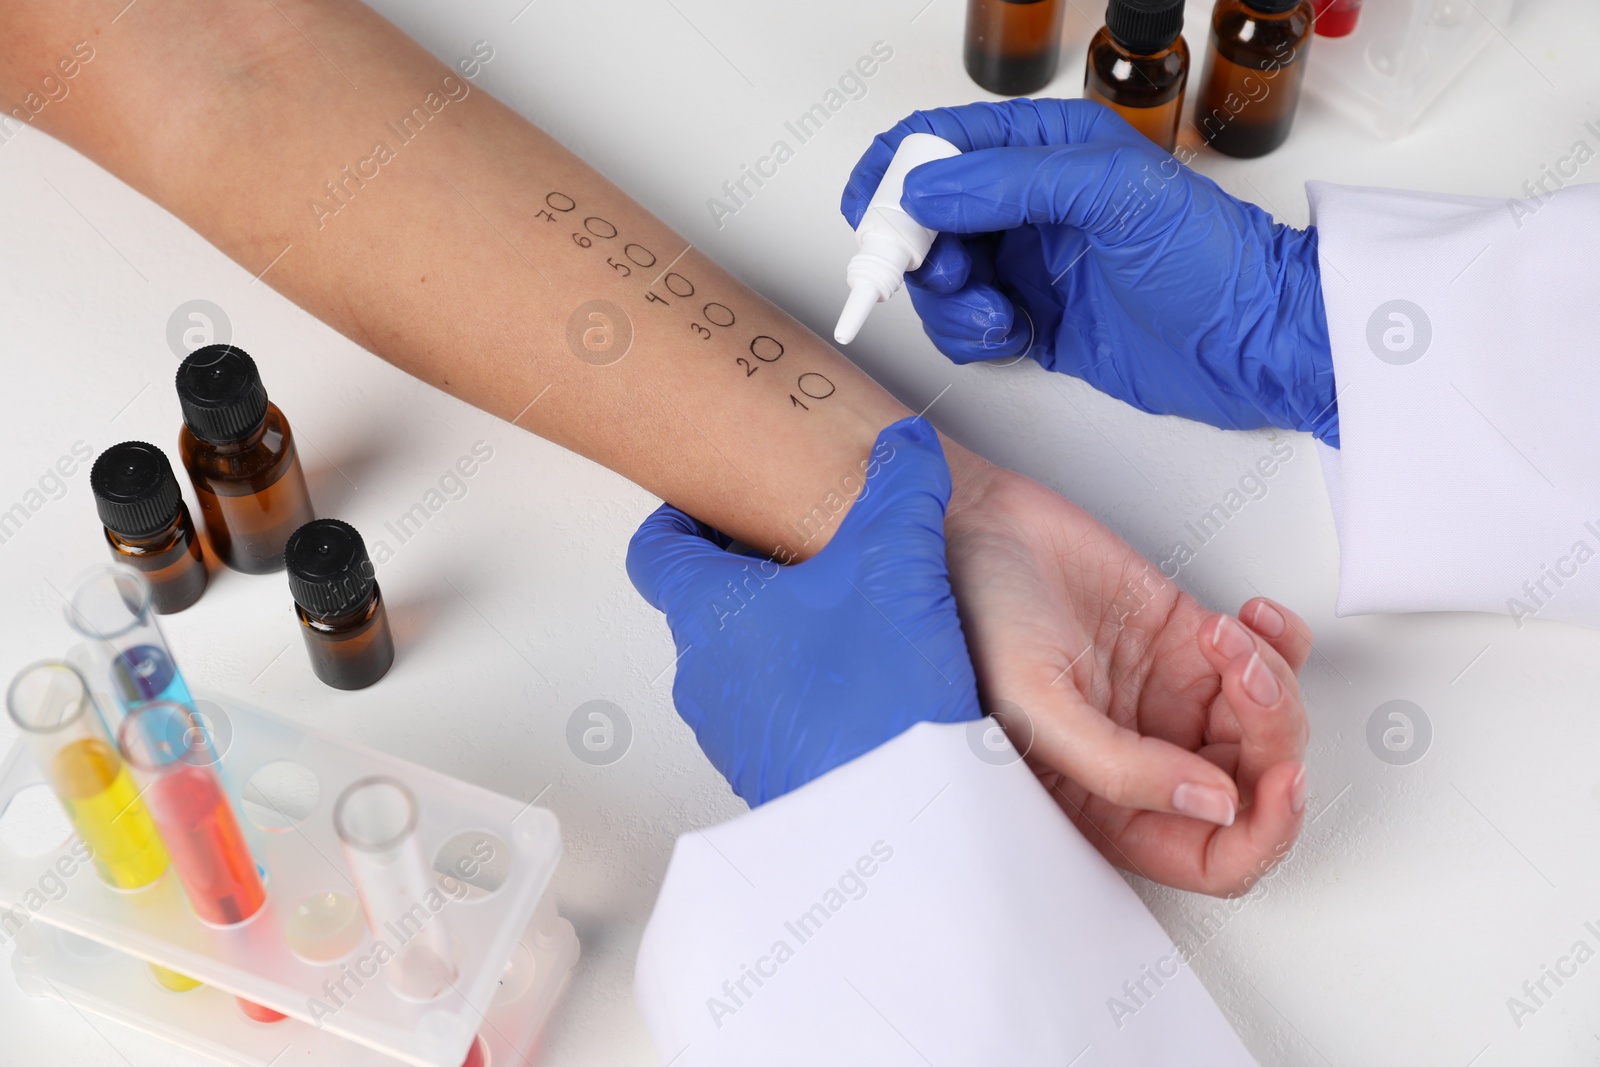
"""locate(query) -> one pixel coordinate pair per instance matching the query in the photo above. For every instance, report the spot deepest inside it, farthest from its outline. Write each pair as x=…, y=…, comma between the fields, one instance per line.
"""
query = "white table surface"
x=1418, y=900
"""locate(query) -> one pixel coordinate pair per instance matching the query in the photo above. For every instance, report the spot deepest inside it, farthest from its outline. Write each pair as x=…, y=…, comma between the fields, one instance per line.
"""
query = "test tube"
x=111, y=606
x=172, y=759
x=170, y=979
x=376, y=819
x=259, y=1012
x=51, y=704
x=1337, y=18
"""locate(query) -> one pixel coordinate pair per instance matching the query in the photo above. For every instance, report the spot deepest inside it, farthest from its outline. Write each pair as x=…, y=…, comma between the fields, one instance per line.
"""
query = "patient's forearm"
x=385, y=194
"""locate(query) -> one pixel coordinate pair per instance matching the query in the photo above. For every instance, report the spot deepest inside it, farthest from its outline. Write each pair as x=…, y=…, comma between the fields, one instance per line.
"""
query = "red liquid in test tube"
x=168, y=749
x=206, y=845
x=259, y=1012
x=1337, y=18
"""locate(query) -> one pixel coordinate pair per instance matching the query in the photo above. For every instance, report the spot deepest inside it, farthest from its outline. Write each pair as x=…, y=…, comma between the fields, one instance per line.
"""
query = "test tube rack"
x=494, y=858
x=1401, y=57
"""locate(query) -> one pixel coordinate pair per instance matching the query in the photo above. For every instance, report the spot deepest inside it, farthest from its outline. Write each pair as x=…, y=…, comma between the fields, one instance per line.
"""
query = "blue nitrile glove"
x=1135, y=274
x=785, y=672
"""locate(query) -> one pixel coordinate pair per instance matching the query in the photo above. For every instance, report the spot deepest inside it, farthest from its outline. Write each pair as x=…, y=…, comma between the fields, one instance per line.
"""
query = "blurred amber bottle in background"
x=1139, y=66
x=1251, y=86
x=1013, y=46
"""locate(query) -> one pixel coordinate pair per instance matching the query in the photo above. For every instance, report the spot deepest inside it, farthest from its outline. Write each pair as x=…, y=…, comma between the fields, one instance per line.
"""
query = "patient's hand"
x=1131, y=700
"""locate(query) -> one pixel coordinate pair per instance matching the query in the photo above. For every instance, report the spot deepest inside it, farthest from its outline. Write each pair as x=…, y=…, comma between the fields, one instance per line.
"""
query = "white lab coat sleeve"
x=1466, y=353
x=925, y=903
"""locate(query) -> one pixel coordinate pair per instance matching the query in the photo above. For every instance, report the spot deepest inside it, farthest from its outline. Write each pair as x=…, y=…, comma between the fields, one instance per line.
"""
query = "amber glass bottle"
x=1013, y=46
x=1139, y=66
x=241, y=459
x=337, y=601
x=147, y=523
x=1254, y=67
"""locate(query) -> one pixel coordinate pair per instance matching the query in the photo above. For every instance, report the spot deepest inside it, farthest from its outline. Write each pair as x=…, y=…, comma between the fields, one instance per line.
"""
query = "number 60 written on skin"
x=598, y=336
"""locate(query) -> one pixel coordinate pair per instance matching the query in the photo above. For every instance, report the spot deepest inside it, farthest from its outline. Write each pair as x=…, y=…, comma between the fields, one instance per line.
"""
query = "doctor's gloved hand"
x=785, y=672
x=1067, y=236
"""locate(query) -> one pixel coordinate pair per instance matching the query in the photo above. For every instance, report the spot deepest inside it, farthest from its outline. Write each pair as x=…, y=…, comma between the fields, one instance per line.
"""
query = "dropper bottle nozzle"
x=856, y=309
x=891, y=241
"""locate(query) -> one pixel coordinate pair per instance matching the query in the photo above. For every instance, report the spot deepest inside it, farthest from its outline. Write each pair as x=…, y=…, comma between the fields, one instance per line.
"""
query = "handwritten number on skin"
x=763, y=349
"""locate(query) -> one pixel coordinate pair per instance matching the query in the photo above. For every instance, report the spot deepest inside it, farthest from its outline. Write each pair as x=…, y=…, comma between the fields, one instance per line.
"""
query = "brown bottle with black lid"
x=241, y=458
x=147, y=523
x=1251, y=86
x=338, y=604
x=1139, y=65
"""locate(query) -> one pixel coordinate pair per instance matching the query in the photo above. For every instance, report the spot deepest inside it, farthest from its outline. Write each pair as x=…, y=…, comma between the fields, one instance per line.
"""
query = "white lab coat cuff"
x=926, y=902
x=1464, y=351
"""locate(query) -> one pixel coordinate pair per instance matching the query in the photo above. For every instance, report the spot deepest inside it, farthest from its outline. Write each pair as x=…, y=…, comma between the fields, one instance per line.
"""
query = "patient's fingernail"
x=1259, y=682
x=1268, y=620
x=1230, y=638
x=1297, y=791
x=1203, y=802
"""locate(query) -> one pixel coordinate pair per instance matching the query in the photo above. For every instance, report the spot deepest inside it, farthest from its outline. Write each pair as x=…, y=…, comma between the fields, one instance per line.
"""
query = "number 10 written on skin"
x=713, y=320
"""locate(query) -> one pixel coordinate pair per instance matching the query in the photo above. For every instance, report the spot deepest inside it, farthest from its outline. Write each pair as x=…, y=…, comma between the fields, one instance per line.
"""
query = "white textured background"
x=1419, y=898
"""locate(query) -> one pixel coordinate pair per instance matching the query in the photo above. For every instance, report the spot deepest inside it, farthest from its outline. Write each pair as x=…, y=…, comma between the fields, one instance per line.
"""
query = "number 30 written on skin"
x=600, y=234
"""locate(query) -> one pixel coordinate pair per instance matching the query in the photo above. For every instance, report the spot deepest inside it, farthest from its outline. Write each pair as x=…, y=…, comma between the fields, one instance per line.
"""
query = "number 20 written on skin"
x=597, y=233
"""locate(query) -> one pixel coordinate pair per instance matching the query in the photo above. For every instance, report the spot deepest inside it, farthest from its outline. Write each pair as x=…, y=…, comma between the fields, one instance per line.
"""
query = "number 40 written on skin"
x=600, y=235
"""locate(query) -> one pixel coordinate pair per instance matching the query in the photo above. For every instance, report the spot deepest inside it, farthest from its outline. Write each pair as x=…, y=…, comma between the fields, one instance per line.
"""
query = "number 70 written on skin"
x=601, y=235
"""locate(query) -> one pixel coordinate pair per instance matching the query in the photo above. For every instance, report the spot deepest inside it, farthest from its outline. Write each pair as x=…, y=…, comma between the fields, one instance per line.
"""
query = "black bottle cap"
x=1273, y=7
x=1145, y=26
x=329, y=572
x=221, y=394
x=134, y=489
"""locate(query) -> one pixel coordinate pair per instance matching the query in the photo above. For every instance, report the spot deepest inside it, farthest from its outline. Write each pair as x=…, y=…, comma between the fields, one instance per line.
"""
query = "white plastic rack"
x=492, y=856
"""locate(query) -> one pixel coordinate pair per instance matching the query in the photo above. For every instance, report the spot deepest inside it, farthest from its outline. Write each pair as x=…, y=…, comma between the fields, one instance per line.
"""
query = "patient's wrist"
x=970, y=475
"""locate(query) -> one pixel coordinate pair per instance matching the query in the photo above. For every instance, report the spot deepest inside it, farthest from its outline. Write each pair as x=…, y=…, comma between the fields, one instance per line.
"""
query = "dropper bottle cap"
x=891, y=241
x=330, y=573
x=220, y=393
x=1145, y=27
x=134, y=489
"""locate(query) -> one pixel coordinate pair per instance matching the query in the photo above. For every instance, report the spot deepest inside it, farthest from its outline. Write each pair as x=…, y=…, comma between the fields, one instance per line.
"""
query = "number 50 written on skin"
x=600, y=234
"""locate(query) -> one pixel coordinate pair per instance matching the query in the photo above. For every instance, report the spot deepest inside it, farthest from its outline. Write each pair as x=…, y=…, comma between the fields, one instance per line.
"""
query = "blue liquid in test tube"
x=144, y=673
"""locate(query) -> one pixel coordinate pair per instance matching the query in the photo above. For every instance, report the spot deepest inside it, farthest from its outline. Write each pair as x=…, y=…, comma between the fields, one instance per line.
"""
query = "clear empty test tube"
x=51, y=704
x=112, y=607
x=376, y=819
x=173, y=760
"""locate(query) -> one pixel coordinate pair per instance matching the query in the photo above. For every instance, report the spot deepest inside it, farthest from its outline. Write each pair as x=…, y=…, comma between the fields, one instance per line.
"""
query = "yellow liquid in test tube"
x=178, y=983
x=105, y=809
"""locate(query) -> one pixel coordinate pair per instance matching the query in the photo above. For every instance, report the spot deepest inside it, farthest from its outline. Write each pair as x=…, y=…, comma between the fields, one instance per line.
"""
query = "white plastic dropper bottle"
x=891, y=241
